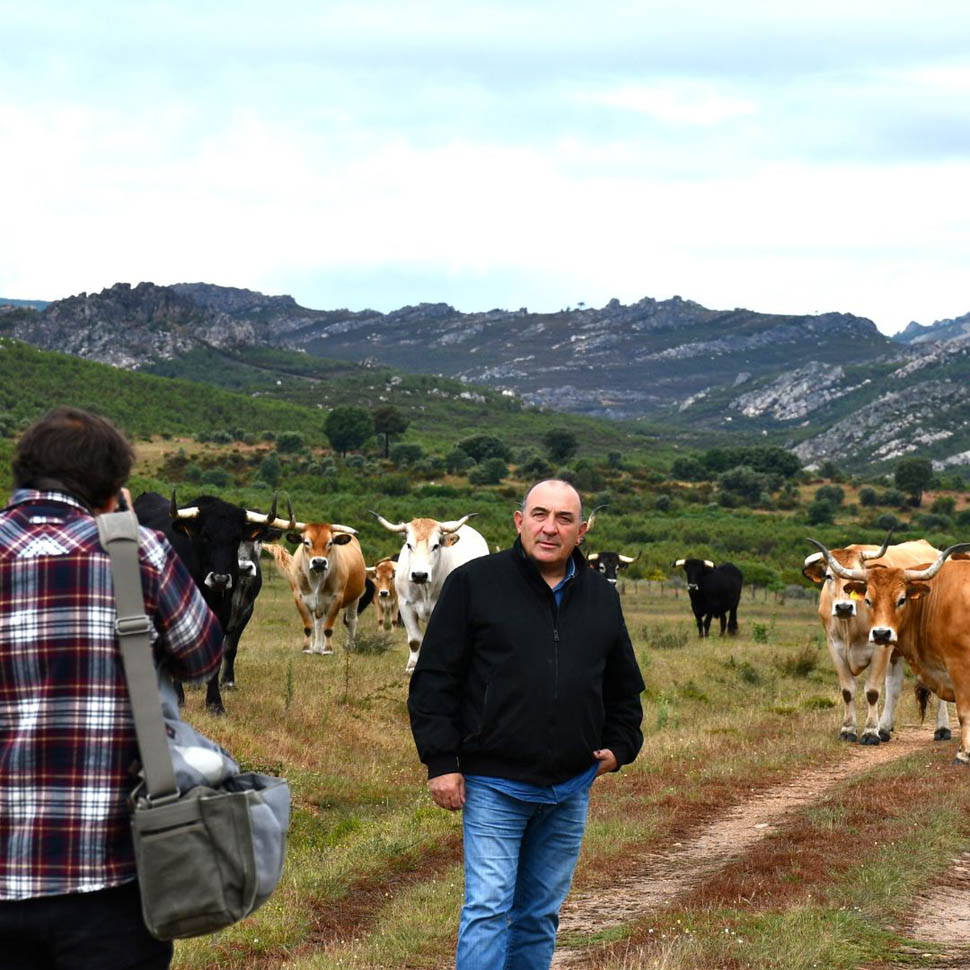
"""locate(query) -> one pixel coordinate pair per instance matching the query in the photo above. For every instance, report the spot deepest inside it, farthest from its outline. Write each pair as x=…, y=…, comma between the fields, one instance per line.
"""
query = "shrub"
x=192, y=472
x=489, y=472
x=831, y=494
x=290, y=442
x=270, y=469
x=406, y=453
x=458, y=461
x=821, y=512
x=868, y=497
x=889, y=521
x=482, y=446
x=394, y=484
x=799, y=664
x=944, y=506
x=560, y=443
x=217, y=477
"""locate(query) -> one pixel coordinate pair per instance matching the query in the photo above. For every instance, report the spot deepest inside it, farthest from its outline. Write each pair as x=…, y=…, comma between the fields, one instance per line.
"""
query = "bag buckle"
x=127, y=626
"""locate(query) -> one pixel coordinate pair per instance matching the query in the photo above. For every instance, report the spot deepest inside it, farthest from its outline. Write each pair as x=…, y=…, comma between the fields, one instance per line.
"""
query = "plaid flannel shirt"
x=67, y=738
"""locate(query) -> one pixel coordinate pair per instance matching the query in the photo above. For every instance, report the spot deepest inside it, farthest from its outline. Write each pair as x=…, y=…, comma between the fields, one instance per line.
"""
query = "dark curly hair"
x=70, y=449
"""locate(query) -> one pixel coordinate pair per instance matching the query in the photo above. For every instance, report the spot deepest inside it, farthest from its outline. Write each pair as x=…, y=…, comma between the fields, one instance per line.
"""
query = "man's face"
x=551, y=526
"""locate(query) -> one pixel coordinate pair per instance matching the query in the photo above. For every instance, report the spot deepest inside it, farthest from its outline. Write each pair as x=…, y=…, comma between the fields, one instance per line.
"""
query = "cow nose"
x=247, y=567
x=613, y=581
x=844, y=609
x=881, y=634
x=384, y=593
x=692, y=586
x=318, y=564
x=219, y=581
x=419, y=577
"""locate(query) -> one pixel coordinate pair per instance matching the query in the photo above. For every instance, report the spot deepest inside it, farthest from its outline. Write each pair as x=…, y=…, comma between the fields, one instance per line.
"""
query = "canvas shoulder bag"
x=209, y=840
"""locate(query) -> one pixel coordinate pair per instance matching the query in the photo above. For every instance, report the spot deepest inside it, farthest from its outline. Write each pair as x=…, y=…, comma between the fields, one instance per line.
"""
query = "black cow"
x=610, y=563
x=714, y=591
x=207, y=534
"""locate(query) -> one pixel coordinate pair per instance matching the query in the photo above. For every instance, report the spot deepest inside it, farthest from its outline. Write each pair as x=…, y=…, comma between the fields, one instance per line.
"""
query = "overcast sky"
x=785, y=158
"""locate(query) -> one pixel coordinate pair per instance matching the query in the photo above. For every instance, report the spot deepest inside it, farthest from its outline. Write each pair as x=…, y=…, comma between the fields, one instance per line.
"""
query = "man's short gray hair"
x=558, y=481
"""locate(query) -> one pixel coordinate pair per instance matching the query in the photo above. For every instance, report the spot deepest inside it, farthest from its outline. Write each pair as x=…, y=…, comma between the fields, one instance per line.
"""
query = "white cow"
x=431, y=550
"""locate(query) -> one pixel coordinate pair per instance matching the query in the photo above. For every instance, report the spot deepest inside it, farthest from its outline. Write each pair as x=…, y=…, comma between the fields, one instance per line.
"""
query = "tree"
x=560, y=443
x=388, y=421
x=290, y=442
x=831, y=494
x=482, y=446
x=913, y=476
x=348, y=427
x=270, y=470
x=489, y=472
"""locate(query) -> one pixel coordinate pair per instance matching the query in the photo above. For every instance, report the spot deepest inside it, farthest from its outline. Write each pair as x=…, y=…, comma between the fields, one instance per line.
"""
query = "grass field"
x=373, y=875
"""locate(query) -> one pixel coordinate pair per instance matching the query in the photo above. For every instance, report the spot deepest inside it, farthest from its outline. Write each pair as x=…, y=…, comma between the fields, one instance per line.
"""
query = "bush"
x=831, y=494
x=270, y=469
x=868, y=497
x=821, y=512
x=482, y=446
x=192, y=472
x=944, y=506
x=355, y=461
x=935, y=523
x=290, y=442
x=394, y=485
x=889, y=521
x=406, y=453
x=688, y=470
x=489, y=472
x=893, y=498
x=662, y=503
x=216, y=477
x=458, y=461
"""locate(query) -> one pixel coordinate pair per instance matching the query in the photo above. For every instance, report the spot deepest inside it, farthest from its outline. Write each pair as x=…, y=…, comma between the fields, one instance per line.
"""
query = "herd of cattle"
x=878, y=606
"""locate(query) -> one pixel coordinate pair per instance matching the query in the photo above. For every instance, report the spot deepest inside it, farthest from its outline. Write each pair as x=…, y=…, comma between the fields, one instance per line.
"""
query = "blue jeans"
x=519, y=862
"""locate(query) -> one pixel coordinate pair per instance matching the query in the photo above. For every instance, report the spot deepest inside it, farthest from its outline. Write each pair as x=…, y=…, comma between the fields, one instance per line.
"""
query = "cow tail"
x=281, y=557
x=922, y=696
x=366, y=596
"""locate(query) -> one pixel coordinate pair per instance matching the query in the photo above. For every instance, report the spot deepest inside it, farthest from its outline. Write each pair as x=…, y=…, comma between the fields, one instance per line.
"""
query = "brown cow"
x=326, y=575
x=385, y=593
x=925, y=614
x=846, y=620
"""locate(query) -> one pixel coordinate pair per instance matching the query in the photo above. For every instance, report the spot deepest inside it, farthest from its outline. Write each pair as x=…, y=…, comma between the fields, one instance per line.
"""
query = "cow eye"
x=436, y=546
x=868, y=602
x=408, y=544
x=900, y=602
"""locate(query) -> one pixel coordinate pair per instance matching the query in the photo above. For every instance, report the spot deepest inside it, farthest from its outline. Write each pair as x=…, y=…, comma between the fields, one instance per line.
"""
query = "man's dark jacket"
x=509, y=685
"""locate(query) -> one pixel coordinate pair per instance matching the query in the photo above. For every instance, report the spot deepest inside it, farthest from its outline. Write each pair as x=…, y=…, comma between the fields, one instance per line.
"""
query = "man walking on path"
x=527, y=689
x=68, y=895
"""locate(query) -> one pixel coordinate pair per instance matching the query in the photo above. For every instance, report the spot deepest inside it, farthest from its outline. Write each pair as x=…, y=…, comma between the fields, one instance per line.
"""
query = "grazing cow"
x=207, y=534
x=846, y=618
x=382, y=573
x=924, y=613
x=326, y=575
x=431, y=550
x=714, y=591
x=610, y=563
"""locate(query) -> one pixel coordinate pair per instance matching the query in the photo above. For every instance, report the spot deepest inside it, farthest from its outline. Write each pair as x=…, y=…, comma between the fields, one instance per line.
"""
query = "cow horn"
x=592, y=517
x=628, y=560
x=813, y=558
x=915, y=575
x=709, y=563
x=293, y=525
x=836, y=566
x=679, y=563
x=400, y=527
x=593, y=557
x=336, y=527
x=864, y=556
x=189, y=512
x=455, y=524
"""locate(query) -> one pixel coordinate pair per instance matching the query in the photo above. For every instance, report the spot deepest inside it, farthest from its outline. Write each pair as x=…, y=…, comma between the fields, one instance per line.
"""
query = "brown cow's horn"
x=915, y=575
x=189, y=512
x=836, y=566
x=400, y=527
x=336, y=527
x=864, y=556
x=455, y=524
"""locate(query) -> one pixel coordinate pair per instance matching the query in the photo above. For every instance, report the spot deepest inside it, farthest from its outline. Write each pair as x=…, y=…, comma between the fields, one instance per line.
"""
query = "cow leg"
x=707, y=624
x=307, y=622
x=229, y=661
x=723, y=619
x=410, y=618
x=733, y=621
x=848, y=729
x=942, y=732
x=962, y=694
x=878, y=671
x=894, y=687
x=213, y=699
x=350, y=621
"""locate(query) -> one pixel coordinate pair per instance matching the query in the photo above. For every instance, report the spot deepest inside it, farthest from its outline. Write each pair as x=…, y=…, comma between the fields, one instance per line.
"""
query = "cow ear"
x=341, y=538
x=371, y=570
x=815, y=572
x=181, y=525
x=856, y=587
x=258, y=533
x=915, y=590
x=450, y=539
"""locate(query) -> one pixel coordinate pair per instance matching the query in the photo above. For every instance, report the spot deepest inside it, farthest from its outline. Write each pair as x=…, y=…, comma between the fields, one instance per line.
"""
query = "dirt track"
x=661, y=878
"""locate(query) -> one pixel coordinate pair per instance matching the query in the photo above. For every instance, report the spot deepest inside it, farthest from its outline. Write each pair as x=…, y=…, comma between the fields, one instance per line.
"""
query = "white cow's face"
x=424, y=541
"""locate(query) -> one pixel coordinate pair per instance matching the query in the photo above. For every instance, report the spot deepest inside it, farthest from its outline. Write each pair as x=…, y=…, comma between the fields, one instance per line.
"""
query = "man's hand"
x=448, y=791
x=607, y=761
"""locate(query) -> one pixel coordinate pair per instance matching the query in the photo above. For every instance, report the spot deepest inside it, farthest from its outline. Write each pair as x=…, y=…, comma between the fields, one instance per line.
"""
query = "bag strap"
x=118, y=532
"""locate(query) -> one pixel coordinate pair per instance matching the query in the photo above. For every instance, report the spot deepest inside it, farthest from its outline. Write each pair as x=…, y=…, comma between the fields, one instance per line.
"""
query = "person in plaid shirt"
x=68, y=895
